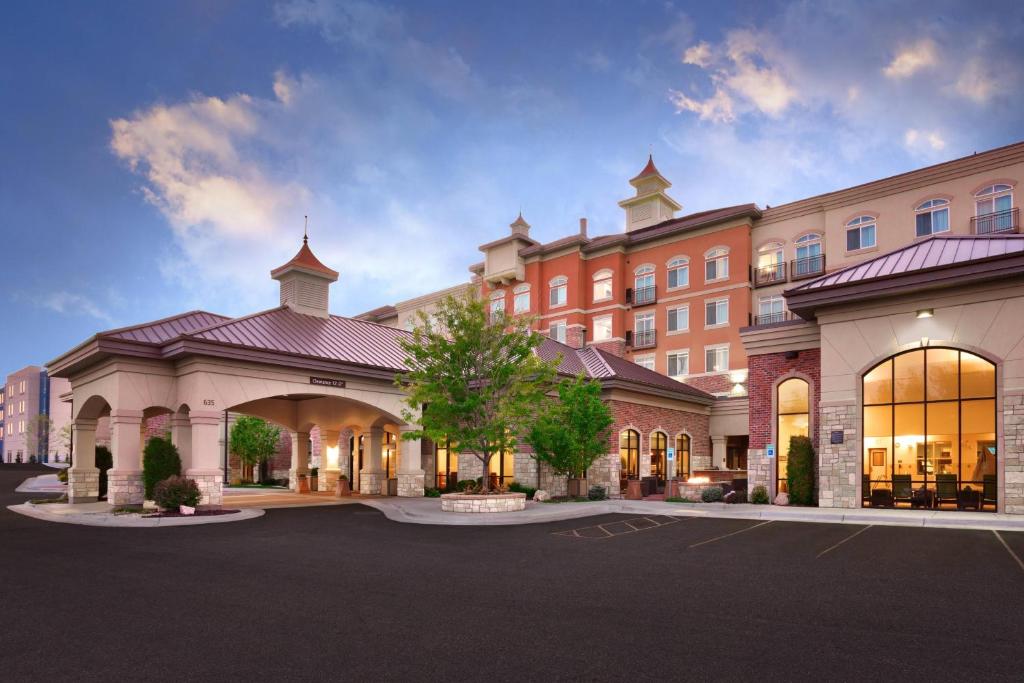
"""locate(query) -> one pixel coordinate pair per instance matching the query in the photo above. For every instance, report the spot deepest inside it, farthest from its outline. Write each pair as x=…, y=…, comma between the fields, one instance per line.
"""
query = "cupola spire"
x=305, y=281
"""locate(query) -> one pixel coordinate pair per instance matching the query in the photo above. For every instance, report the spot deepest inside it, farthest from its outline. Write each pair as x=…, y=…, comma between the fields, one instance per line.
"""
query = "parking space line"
x=853, y=535
x=719, y=538
x=1009, y=550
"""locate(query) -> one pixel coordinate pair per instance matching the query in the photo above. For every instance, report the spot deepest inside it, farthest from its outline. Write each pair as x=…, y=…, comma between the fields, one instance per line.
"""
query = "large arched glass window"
x=446, y=465
x=683, y=456
x=659, y=444
x=993, y=209
x=629, y=455
x=932, y=217
x=793, y=406
x=930, y=430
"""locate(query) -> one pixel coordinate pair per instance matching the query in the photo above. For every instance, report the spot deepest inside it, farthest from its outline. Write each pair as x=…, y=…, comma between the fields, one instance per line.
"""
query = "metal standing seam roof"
x=161, y=331
x=934, y=252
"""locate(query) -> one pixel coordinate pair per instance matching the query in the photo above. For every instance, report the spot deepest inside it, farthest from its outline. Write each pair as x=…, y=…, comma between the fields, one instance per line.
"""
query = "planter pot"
x=577, y=488
x=633, y=490
x=342, y=488
x=302, y=484
x=186, y=510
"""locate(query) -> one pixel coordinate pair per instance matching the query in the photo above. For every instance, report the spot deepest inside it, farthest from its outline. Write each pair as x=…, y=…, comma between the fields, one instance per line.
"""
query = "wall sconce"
x=332, y=455
x=925, y=313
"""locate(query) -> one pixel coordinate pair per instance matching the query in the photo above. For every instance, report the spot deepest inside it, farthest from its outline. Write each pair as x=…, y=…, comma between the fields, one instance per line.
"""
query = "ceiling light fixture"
x=926, y=313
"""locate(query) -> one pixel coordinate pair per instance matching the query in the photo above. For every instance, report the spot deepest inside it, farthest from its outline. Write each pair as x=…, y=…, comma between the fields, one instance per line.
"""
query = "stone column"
x=124, y=480
x=300, y=459
x=372, y=476
x=410, y=471
x=206, y=458
x=330, y=459
x=718, y=451
x=839, y=464
x=83, y=476
x=181, y=437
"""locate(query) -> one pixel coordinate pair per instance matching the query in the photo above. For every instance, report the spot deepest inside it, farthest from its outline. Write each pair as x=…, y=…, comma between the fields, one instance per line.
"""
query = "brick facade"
x=765, y=371
x=646, y=419
x=713, y=384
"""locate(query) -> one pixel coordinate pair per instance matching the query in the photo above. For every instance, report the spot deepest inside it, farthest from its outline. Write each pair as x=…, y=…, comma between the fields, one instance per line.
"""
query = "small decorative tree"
x=474, y=377
x=104, y=461
x=160, y=460
x=254, y=440
x=800, y=471
x=573, y=431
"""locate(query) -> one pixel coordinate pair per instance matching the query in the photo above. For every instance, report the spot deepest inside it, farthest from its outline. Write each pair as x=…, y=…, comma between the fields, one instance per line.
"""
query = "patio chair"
x=988, y=491
x=945, y=489
x=902, y=488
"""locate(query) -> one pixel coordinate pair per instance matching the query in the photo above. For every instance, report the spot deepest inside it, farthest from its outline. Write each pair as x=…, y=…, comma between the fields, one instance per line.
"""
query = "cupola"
x=305, y=282
x=651, y=204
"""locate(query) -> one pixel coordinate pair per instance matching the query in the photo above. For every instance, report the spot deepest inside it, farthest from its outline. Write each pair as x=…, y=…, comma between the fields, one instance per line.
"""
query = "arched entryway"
x=930, y=434
x=792, y=399
x=629, y=456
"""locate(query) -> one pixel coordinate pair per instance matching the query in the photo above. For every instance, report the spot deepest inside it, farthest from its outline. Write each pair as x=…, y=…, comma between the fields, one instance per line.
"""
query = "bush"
x=464, y=484
x=175, y=491
x=516, y=487
x=597, y=493
x=32, y=459
x=62, y=475
x=431, y=493
x=160, y=460
x=314, y=471
x=800, y=471
x=343, y=477
x=759, y=496
x=678, y=499
x=104, y=461
x=712, y=494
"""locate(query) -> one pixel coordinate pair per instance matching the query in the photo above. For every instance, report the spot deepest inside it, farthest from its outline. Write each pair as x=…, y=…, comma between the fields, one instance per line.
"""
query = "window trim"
x=930, y=207
x=717, y=347
x=716, y=300
x=601, y=276
x=668, y=316
x=673, y=264
x=593, y=327
x=716, y=254
x=859, y=222
x=554, y=284
x=677, y=352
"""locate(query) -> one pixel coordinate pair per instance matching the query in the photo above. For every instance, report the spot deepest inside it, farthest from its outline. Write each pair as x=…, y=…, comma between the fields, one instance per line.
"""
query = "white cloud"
x=920, y=139
x=718, y=108
x=698, y=55
x=68, y=303
x=911, y=59
x=597, y=60
x=976, y=82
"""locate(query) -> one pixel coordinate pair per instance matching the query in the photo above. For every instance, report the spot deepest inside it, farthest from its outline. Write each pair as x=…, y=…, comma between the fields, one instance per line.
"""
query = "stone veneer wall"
x=838, y=464
x=1013, y=453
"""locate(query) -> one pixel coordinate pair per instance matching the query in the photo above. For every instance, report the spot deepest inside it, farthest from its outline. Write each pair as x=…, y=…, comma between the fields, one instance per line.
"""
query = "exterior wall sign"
x=671, y=453
x=837, y=436
x=327, y=382
x=770, y=450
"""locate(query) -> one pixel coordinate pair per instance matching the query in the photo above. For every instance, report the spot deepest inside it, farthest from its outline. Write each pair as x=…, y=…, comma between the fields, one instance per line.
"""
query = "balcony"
x=644, y=295
x=645, y=339
x=772, y=318
x=811, y=266
x=998, y=222
x=771, y=274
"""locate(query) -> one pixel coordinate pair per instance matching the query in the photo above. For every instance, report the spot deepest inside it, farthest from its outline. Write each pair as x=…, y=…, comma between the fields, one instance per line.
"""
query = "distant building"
x=27, y=428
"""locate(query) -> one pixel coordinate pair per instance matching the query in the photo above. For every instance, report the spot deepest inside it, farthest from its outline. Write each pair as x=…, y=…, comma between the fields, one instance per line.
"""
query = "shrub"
x=800, y=471
x=759, y=496
x=465, y=484
x=160, y=460
x=431, y=493
x=516, y=487
x=712, y=494
x=343, y=477
x=175, y=491
x=597, y=493
x=62, y=475
x=314, y=471
x=32, y=459
x=104, y=461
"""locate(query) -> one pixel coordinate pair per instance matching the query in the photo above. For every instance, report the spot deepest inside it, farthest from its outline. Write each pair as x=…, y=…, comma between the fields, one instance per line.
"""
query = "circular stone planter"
x=498, y=502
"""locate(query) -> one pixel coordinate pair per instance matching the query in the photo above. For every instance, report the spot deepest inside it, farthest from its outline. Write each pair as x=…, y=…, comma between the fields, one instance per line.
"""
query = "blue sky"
x=159, y=157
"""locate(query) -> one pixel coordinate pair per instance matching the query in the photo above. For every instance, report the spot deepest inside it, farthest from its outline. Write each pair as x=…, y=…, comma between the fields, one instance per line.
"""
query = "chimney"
x=583, y=228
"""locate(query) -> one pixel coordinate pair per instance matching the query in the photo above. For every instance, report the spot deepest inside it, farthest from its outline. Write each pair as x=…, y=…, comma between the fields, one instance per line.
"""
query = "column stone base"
x=371, y=483
x=83, y=485
x=760, y=469
x=410, y=484
x=125, y=488
x=211, y=485
x=328, y=479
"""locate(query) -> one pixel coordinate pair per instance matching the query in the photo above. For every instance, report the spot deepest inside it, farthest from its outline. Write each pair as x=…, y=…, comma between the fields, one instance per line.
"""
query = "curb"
x=106, y=519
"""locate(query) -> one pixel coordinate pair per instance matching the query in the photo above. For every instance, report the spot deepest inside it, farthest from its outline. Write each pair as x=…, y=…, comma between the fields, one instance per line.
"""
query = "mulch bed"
x=198, y=513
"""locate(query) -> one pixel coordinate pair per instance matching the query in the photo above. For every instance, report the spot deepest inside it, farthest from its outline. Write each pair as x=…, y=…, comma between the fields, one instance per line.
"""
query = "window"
x=501, y=468
x=771, y=263
x=646, y=361
x=809, y=260
x=643, y=330
x=643, y=285
x=21, y=426
x=930, y=422
x=770, y=309
x=21, y=387
x=716, y=265
x=602, y=328
x=557, y=292
x=716, y=358
x=497, y=304
x=683, y=456
x=793, y=408
x=860, y=233
x=521, y=299
x=602, y=285
x=446, y=465
x=659, y=444
x=716, y=312
x=557, y=331
x=679, y=319
x=932, y=217
x=679, y=272
x=629, y=456
x=678, y=363
x=993, y=207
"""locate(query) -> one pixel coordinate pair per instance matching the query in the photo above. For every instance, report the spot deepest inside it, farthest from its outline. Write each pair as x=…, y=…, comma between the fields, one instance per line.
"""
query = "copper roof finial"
x=305, y=230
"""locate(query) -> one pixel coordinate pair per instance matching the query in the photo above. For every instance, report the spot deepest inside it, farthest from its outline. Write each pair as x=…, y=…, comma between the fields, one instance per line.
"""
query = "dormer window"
x=557, y=292
x=932, y=217
x=860, y=233
x=521, y=298
x=602, y=285
x=716, y=264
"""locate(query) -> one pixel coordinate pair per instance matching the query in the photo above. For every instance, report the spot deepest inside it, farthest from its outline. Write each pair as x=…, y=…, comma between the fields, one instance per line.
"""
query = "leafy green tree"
x=254, y=440
x=160, y=460
x=800, y=471
x=574, y=430
x=474, y=377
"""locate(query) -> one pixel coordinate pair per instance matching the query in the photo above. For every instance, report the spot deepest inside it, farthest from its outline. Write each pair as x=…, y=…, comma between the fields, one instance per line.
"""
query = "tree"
x=473, y=377
x=800, y=471
x=574, y=431
x=38, y=434
x=160, y=460
x=253, y=440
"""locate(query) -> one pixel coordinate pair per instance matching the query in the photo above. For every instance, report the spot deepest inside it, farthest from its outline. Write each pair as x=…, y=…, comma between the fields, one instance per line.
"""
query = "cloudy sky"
x=158, y=157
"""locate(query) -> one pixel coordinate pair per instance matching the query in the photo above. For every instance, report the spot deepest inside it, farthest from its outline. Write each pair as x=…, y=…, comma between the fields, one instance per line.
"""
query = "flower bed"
x=472, y=502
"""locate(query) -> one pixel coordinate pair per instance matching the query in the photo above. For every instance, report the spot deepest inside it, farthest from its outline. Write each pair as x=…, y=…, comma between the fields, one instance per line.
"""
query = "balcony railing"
x=810, y=266
x=644, y=339
x=772, y=318
x=644, y=295
x=770, y=274
x=1000, y=221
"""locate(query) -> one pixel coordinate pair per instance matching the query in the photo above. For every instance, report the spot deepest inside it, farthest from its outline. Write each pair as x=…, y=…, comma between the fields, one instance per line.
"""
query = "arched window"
x=497, y=303
x=932, y=217
x=643, y=285
x=860, y=233
x=557, y=291
x=809, y=259
x=993, y=209
x=930, y=430
x=771, y=264
x=659, y=444
x=602, y=285
x=446, y=466
x=678, y=272
x=793, y=410
x=682, y=456
x=521, y=298
x=629, y=455
x=716, y=264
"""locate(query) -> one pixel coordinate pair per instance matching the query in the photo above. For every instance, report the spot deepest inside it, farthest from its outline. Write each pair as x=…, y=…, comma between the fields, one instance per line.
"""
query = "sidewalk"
x=428, y=511
x=44, y=483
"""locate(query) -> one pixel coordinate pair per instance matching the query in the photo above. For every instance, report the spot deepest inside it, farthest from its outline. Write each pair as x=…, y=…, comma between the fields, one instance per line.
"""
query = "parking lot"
x=341, y=592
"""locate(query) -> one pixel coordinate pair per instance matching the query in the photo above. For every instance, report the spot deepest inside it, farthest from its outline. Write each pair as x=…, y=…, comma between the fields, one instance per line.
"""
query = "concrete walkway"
x=99, y=514
x=428, y=511
x=44, y=483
